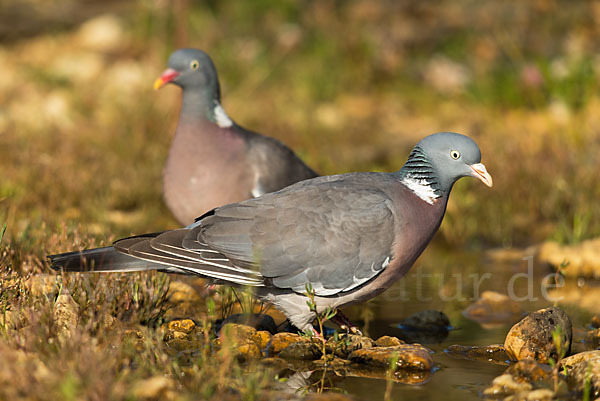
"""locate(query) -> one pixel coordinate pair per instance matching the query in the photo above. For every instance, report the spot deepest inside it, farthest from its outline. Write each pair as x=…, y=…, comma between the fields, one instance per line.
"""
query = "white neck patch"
x=421, y=188
x=221, y=117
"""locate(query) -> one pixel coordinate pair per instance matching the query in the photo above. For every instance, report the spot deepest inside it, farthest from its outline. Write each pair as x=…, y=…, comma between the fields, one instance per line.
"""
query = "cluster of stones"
x=349, y=354
x=541, y=364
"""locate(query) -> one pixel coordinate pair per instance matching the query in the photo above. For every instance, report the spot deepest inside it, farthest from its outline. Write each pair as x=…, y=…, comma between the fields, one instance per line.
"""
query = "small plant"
x=587, y=386
x=321, y=317
x=561, y=351
x=230, y=297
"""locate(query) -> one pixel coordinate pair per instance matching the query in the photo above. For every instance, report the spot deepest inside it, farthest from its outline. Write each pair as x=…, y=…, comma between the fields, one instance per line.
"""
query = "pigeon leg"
x=318, y=335
x=345, y=324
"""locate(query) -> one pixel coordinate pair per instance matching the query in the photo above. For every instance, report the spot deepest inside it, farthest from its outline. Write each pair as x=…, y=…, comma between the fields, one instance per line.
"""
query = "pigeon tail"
x=106, y=259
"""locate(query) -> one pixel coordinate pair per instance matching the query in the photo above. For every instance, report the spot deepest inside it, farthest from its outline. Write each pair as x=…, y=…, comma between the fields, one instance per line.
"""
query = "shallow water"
x=450, y=288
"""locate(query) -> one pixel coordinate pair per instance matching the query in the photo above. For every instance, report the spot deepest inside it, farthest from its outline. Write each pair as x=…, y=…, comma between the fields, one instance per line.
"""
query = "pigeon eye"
x=194, y=65
x=455, y=154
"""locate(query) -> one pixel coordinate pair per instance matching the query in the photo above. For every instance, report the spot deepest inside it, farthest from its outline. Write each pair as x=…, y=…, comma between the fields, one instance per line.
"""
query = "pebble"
x=530, y=371
x=581, y=368
x=505, y=385
x=531, y=338
x=66, y=315
x=281, y=340
x=303, y=350
x=409, y=356
x=245, y=340
x=388, y=341
x=348, y=343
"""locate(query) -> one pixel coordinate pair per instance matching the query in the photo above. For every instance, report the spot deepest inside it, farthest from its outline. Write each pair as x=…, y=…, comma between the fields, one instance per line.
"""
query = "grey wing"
x=336, y=237
x=275, y=165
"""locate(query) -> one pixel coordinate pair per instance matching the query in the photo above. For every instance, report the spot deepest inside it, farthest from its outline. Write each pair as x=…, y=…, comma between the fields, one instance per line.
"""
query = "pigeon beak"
x=167, y=76
x=478, y=170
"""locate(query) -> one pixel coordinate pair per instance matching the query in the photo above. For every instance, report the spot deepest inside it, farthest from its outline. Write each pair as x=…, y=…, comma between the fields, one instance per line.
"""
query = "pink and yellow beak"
x=167, y=76
x=478, y=170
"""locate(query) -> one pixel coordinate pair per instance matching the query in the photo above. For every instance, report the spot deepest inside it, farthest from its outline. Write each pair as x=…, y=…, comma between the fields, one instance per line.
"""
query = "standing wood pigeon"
x=212, y=160
x=351, y=236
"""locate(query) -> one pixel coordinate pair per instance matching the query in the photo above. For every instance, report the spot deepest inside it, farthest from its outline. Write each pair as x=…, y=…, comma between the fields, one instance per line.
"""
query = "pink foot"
x=345, y=324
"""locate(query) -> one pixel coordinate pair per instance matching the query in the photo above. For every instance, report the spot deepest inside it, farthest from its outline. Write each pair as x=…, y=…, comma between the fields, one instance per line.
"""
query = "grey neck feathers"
x=418, y=171
x=204, y=103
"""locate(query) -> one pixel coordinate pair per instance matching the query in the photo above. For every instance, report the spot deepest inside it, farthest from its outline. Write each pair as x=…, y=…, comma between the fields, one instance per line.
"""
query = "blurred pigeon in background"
x=212, y=160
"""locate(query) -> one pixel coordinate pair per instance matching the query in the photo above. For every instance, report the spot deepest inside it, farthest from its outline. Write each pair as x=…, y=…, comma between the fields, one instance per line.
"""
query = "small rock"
x=570, y=362
x=183, y=326
x=239, y=333
x=409, y=356
x=494, y=308
x=303, y=350
x=427, y=320
x=66, y=313
x=528, y=370
x=596, y=321
x=348, y=343
x=178, y=330
x=584, y=369
x=183, y=343
x=531, y=338
x=242, y=338
x=592, y=339
x=388, y=341
x=505, y=385
x=262, y=338
x=541, y=394
x=248, y=350
x=281, y=340
x=156, y=388
x=490, y=353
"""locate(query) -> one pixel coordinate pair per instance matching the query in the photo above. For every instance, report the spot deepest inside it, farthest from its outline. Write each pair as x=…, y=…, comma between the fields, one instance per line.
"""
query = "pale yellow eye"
x=194, y=65
x=455, y=154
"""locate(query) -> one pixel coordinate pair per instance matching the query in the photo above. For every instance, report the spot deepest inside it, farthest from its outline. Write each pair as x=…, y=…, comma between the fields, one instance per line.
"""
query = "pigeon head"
x=190, y=69
x=195, y=73
x=438, y=161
